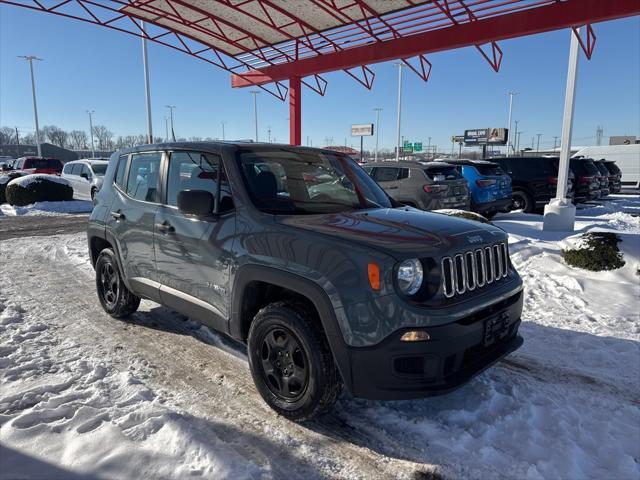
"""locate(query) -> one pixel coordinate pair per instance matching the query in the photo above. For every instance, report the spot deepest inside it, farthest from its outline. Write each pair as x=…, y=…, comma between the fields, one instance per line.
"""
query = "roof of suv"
x=90, y=160
x=466, y=161
x=214, y=146
x=408, y=164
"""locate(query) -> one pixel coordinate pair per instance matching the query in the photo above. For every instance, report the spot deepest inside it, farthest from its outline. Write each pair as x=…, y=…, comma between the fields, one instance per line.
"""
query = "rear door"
x=84, y=182
x=387, y=178
x=131, y=219
x=193, y=253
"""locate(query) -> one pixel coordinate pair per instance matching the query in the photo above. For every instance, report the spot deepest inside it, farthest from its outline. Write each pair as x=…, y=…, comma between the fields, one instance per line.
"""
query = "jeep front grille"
x=467, y=271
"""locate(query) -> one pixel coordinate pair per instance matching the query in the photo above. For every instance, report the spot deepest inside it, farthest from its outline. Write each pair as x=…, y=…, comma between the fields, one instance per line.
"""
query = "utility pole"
x=398, y=144
x=269, y=133
x=377, y=110
x=538, y=146
x=555, y=142
x=30, y=59
x=147, y=89
x=307, y=140
x=255, y=109
x=518, y=144
x=599, y=134
x=515, y=137
x=429, y=148
x=93, y=148
x=510, y=143
x=173, y=132
x=18, y=142
x=222, y=123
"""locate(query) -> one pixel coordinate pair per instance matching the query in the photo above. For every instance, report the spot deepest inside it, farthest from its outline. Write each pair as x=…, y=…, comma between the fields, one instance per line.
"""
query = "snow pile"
x=48, y=208
x=26, y=180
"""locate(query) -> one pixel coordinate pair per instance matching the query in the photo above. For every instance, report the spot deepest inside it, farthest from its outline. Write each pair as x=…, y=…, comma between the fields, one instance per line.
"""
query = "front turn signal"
x=374, y=275
x=415, y=336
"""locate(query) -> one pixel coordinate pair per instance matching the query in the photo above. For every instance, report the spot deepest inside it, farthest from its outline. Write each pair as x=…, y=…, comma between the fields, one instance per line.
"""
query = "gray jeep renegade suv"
x=300, y=254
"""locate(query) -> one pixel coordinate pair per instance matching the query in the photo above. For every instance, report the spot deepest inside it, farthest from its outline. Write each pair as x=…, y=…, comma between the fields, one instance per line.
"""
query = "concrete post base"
x=559, y=216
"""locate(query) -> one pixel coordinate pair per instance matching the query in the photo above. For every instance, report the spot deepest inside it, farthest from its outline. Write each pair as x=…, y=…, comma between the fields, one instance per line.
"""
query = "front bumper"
x=395, y=370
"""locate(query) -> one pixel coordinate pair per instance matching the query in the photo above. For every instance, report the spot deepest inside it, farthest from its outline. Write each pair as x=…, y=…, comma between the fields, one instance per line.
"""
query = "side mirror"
x=85, y=176
x=195, y=202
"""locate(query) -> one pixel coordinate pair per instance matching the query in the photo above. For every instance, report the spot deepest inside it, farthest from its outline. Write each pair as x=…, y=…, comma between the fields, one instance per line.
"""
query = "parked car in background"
x=489, y=186
x=587, y=185
x=604, y=179
x=6, y=162
x=534, y=181
x=427, y=186
x=627, y=158
x=85, y=176
x=615, y=175
x=28, y=165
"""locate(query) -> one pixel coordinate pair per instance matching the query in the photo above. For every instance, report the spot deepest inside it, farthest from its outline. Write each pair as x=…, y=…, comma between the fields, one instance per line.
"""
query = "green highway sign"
x=417, y=147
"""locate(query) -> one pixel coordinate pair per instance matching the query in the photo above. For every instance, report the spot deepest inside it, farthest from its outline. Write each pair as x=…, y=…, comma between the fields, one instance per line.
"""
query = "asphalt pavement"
x=29, y=226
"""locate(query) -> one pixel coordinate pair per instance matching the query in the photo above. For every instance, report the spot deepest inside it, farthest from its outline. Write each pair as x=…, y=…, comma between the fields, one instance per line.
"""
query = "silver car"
x=85, y=176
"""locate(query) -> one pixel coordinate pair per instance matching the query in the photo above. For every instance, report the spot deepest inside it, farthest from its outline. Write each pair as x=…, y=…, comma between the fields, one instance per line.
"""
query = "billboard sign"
x=486, y=136
x=362, y=130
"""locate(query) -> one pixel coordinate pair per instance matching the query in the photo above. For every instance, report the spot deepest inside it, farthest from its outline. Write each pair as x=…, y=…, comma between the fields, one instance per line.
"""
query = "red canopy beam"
x=570, y=13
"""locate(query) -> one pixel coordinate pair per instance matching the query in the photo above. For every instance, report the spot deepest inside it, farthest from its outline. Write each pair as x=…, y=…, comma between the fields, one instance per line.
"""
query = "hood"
x=401, y=232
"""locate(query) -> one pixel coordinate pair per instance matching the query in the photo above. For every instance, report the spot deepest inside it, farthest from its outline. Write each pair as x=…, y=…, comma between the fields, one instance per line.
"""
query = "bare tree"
x=28, y=139
x=104, y=137
x=55, y=135
x=7, y=135
x=78, y=139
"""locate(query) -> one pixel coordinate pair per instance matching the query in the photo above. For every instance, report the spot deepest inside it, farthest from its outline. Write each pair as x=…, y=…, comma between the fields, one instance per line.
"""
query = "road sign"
x=362, y=130
x=417, y=147
x=457, y=139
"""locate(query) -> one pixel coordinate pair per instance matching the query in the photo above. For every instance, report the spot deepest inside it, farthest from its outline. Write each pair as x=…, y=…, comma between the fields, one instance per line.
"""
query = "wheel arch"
x=302, y=287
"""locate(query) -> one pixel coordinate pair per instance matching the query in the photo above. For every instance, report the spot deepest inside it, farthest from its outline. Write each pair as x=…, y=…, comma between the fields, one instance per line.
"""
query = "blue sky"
x=90, y=67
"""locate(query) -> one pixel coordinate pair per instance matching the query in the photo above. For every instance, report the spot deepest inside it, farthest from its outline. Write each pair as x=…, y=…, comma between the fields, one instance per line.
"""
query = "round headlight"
x=410, y=276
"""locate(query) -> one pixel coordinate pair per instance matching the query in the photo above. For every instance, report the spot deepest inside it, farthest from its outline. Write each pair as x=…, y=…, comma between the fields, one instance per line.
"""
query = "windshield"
x=99, y=168
x=293, y=181
x=442, y=174
x=489, y=170
x=42, y=163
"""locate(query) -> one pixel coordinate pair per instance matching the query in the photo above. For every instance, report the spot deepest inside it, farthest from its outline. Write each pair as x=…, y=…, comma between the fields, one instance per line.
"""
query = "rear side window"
x=489, y=170
x=144, y=172
x=76, y=169
x=385, y=174
x=67, y=168
x=121, y=170
x=442, y=174
x=404, y=173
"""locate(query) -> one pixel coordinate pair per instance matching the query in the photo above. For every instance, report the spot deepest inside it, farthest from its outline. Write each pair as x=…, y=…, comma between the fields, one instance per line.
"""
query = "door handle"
x=392, y=188
x=117, y=215
x=164, y=227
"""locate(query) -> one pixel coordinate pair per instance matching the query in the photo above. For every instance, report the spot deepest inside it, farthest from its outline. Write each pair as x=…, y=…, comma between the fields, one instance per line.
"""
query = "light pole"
x=255, y=109
x=511, y=95
x=147, y=89
x=429, y=148
x=398, y=144
x=377, y=110
x=173, y=132
x=93, y=148
x=30, y=59
x=269, y=133
x=166, y=128
x=222, y=123
x=518, y=144
x=555, y=142
x=538, y=145
x=515, y=137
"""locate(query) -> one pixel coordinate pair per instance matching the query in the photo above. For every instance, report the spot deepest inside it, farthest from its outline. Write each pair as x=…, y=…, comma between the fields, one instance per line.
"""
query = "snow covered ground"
x=47, y=208
x=83, y=395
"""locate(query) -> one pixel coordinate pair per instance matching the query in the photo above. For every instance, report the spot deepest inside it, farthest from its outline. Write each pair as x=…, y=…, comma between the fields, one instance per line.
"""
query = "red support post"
x=295, y=111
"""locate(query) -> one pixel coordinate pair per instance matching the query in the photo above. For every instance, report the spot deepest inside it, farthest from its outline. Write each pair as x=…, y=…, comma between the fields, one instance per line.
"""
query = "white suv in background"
x=85, y=176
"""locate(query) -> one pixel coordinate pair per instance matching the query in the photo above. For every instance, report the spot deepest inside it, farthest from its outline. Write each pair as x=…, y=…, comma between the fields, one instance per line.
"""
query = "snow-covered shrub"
x=596, y=251
x=38, y=188
x=4, y=181
x=463, y=214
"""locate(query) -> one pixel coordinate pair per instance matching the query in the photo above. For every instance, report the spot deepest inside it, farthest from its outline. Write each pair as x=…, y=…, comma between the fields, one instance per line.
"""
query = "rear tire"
x=116, y=299
x=523, y=201
x=291, y=363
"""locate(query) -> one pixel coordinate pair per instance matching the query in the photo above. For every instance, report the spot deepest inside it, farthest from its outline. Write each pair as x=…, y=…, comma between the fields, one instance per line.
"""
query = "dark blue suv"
x=489, y=186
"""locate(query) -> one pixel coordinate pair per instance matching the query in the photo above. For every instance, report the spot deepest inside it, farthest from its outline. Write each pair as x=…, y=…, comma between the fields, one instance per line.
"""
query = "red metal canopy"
x=264, y=42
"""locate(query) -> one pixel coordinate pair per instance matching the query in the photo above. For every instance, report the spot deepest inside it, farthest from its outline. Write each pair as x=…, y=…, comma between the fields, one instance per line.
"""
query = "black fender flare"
x=302, y=286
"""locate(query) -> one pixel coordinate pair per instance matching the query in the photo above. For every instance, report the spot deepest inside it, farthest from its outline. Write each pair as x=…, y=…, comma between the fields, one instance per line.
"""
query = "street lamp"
x=147, y=89
x=166, y=128
x=255, y=109
x=511, y=95
x=400, y=66
x=538, y=145
x=223, y=124
x=377, y=110
x=93, y=148
x=173, y=133
x=30, y=59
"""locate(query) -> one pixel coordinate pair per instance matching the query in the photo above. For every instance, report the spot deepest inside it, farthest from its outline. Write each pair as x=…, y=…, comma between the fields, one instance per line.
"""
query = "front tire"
x=116, y=299
x=522, y=201
x=291, y=363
